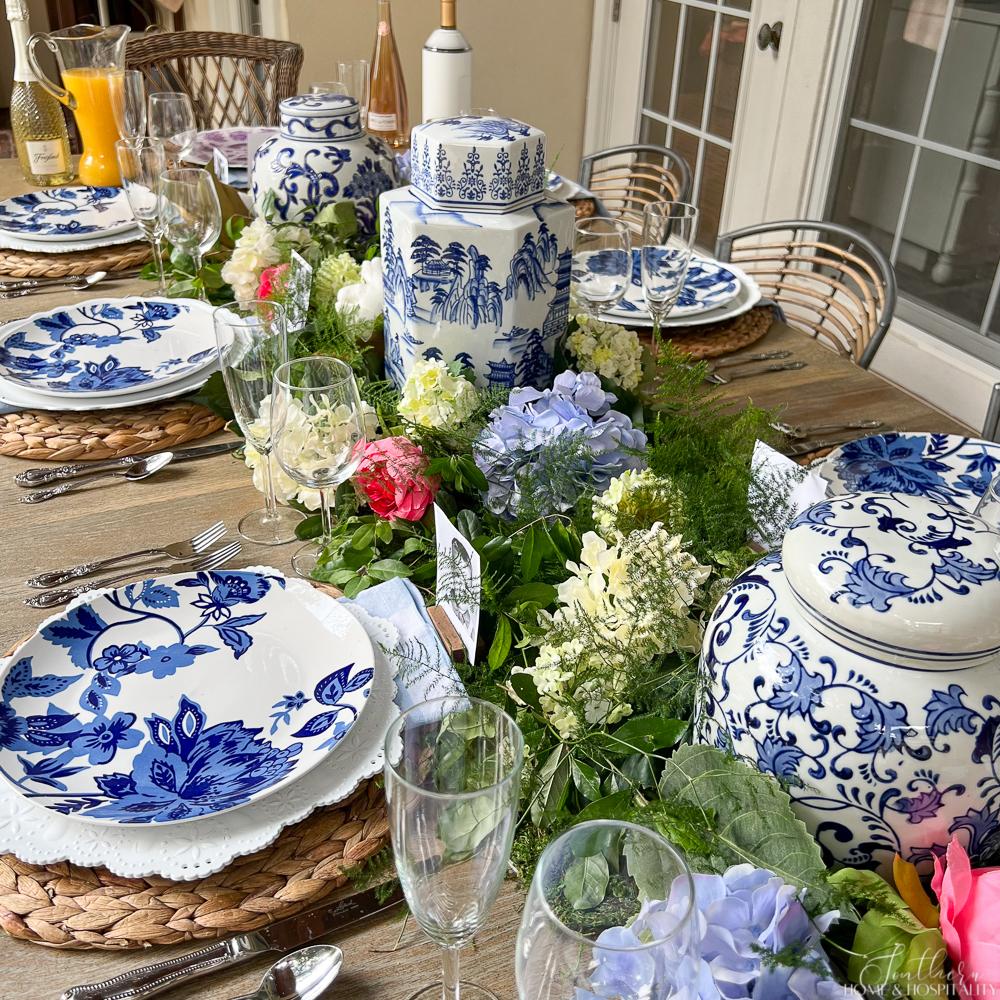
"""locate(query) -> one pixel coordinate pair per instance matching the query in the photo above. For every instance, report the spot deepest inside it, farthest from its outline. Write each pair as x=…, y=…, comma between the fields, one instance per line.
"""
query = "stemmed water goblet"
x=318, y=435
x=253, y=343
x=668, y=230
x=128, y=104
x=452, y=778
x=191, y=214
x=602, y=263
x=142, y=164
x=173, y=122
x=610, y=913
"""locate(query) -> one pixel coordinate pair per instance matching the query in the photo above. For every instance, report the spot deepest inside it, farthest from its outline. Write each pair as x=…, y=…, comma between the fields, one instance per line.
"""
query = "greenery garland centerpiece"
x=610, y=510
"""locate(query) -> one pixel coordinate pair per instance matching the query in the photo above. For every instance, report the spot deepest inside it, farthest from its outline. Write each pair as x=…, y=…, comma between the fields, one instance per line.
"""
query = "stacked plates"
x=107, y=354
x=66, y=220
x=712, y=292
x=232, y=143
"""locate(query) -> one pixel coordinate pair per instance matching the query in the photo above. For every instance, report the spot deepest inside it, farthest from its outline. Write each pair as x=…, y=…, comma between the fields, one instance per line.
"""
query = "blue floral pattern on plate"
x=66, y=213
x=108, y=346
x=947, y=468
x=154, y=703
x=708, y=285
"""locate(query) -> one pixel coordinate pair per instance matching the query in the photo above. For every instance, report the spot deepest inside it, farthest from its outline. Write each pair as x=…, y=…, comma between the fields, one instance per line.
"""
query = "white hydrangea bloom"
x=434, y=397
x=366, y=297
x=335, y=272
x=256, y=248
x=635, y=493
x=607, y=349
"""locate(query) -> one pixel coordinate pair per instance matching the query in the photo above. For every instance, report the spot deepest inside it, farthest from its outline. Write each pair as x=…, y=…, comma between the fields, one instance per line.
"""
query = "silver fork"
x=210, y=560
x=176, y=550
x=802, y=431
x=788, y=366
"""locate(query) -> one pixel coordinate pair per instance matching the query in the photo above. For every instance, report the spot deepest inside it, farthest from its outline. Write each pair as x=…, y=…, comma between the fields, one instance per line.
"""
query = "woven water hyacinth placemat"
x=93, y=435
x=716, y=339
x=25, y=264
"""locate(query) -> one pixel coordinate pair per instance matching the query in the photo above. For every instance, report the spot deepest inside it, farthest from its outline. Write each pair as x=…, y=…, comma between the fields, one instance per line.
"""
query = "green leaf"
x=387, y=569
x=586, y=780
x=363, y=537
x=750, y=812
x=213, y=394
x=311, y=527
x=355, y=586
x=341, y=576
x=383, y=531
x=467, y=523
x=473, y=475
x=612, y=806
x=644, y=735
x=537, y=593
x=415, y=544
x=586, y=882
x=553, y=786
x=524, y=687
x=500, y=647
x=530, y=555
x=466, y=823
x=651, y=868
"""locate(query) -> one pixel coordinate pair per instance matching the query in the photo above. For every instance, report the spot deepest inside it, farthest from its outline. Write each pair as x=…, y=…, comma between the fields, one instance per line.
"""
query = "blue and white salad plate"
x=178, y=698
x=947, y=468
x=68, y=213
x=106, y=347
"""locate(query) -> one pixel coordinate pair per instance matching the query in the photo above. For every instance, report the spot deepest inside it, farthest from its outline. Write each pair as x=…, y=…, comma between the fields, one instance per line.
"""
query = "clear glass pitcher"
x=92, y=62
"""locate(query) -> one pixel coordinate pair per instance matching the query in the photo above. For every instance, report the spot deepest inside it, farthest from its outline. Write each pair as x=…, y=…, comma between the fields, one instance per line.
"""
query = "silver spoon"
x=30, y=286
x=303, y=975
x=147, y=467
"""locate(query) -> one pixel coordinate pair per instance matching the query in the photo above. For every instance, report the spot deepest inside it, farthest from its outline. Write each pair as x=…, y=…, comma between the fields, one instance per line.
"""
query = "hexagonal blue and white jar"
x=477, y=255
x=322, y=155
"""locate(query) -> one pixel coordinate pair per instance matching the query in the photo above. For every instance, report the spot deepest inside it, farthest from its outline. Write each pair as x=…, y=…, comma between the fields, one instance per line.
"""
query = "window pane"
x=713, y=187
x=653, y=132
x=964, y=108
x=687, y=145
x=728, y=66
x=742, y=4
x=869, y=190
x=900, y=40
x=695, y=51
x=660, y=61
x=951, y=236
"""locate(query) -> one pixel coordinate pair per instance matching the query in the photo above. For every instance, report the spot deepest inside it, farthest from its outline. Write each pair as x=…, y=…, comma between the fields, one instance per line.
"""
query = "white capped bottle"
x=36, y=118
x=447, y=82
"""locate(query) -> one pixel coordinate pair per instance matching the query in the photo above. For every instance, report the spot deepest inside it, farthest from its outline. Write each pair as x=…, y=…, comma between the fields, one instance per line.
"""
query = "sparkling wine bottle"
x=447, y=77
x=388, y=117
x=36, y=117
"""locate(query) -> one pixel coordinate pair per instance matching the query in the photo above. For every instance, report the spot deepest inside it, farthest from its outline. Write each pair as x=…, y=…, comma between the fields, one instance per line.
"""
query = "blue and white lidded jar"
x=477, y=254
x=861, y=666
x=321, y=156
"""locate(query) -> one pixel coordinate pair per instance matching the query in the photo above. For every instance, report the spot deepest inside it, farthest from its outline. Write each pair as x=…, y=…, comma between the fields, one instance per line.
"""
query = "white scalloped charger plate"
x=206, y=845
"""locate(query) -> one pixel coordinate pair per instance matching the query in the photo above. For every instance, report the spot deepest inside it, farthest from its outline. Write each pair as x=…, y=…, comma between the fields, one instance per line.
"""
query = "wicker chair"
x=231, y=79
x=830, y=280
x=628, y=178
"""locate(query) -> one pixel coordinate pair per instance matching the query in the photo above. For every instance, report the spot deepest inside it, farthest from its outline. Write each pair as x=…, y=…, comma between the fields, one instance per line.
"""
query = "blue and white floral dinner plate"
x=947, y=468
x=67, y=213
x=106, y=347
x=179, y=697
x=707, y=286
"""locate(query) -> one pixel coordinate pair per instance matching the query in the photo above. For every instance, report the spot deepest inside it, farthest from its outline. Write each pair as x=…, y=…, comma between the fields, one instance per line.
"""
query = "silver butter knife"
x=742, y=359
x=39, y=477
x=284, y=936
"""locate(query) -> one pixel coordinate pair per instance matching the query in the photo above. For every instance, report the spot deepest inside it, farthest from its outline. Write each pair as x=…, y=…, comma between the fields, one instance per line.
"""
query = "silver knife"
x=31, y=478
x=742, y=359
x=284, y=936
x=787, y=366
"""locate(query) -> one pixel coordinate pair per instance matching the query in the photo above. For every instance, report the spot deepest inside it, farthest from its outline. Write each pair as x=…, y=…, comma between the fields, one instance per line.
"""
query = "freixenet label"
x=382, y=123
x=45, y=156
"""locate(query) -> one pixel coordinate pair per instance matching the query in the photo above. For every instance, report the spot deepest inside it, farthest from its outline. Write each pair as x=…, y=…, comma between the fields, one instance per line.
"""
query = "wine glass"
x=142, y=164
x=988, y=507
x=252, y=340
x=128, y=104
x=192, y=216
x=172, y=120
x=452, y=780
x=610, y=913
x=318, y=435
x=602, y=263
x=355, y=76
x=668, y=229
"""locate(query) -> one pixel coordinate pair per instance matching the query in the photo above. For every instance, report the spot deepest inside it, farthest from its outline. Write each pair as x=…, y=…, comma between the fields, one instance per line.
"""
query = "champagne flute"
x=602, y=263
x=610, y=913
x=318, y=435
x=668, y=229
x=142, y=164
x=253, y=343
x=128, y=104
x=172, y=121
x=452, y=779
x=192, y=216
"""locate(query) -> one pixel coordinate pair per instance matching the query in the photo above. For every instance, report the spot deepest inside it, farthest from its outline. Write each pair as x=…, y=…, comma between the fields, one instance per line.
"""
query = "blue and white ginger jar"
x=321, y=156
x=477, y=254
x=860, y=666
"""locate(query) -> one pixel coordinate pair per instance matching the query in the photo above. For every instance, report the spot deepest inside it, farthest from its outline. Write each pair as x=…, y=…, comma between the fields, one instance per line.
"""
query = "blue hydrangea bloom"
x=522, y=440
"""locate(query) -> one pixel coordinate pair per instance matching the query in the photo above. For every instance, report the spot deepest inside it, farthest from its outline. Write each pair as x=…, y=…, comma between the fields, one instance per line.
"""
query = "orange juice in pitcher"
x=92, y=62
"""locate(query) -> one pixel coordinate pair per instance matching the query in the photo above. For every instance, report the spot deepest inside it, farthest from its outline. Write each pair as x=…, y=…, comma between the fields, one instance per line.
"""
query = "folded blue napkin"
x=425, y=669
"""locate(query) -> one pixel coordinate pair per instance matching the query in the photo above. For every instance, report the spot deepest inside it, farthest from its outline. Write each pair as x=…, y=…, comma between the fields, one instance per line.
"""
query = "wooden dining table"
x=387, y=957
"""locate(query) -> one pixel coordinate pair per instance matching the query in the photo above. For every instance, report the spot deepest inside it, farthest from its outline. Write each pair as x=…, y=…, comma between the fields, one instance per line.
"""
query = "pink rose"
x=272, y=281
x=392, y=478
x=970, y=902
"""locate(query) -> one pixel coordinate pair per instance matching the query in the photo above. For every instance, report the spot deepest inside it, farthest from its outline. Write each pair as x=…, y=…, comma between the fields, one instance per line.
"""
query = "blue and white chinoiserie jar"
x=477, y=254
x=320, y=156
x=861, y=665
